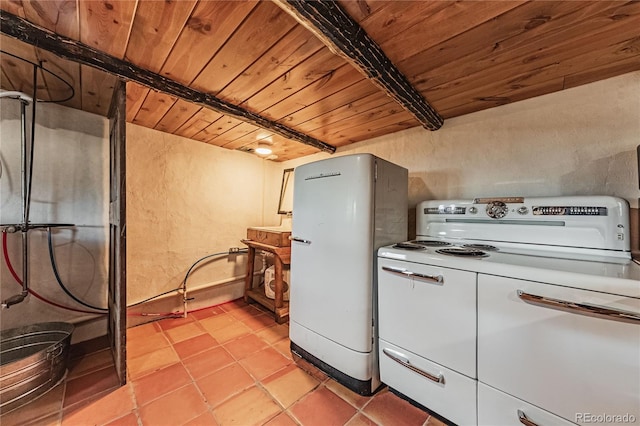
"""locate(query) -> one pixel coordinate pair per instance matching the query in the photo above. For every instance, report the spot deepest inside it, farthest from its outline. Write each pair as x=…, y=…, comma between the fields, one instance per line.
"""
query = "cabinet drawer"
x=269, y=237
x=560, y=360
x=498, y=408
x=434, y=319
x=445, y=392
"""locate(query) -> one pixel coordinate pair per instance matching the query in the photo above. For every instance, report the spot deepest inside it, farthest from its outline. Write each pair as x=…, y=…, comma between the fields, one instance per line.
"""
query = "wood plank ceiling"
x=461, y=56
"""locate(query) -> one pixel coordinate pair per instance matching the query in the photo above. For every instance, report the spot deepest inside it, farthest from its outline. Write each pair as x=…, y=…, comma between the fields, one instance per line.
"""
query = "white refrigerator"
x=344, y=209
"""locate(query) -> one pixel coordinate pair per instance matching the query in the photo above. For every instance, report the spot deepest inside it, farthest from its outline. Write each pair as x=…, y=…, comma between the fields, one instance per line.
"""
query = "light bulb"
x=263, y=150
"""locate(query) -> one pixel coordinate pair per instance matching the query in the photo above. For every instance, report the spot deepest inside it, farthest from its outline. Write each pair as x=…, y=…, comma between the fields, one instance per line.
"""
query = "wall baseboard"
x=203, y=296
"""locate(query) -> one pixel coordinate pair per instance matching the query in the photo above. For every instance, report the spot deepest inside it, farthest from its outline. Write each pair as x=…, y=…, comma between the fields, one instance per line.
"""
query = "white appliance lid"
x=581, y=222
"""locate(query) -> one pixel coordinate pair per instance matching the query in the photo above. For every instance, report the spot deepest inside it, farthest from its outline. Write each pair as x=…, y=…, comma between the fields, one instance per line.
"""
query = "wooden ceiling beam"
x=76, y=51
x=328, y=21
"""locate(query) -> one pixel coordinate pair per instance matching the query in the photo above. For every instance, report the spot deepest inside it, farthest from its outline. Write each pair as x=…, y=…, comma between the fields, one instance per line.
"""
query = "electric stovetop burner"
x=431, y=243
x=462, y=252
x=485, y=247
x=409, y=246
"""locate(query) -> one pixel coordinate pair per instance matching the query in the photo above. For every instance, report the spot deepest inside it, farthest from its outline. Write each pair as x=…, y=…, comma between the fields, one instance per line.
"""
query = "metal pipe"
x=31, y=147
x=26, y=175
x=23, y=156
x=25, y=262
x=15, y=95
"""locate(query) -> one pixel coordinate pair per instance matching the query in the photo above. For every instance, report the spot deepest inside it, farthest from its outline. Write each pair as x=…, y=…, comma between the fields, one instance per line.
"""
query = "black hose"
x=184, y=281
x=153, y=297
x=59, y=280
x=183, y=284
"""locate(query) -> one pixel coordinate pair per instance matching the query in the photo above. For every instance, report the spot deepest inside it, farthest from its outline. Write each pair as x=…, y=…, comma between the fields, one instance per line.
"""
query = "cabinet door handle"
x=524, y=419
x=438, y=379
x=438, y=279
x=299, y=240
x=581, y=308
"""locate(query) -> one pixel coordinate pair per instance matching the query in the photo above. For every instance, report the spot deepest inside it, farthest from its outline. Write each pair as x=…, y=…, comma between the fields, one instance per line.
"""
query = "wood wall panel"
x=230, y=139
x=179, y=113
x=208, y=28
x=505, y=98
x=251, y=139
x=602, y=72
x=316, y=67
x=97, y=90
x=390, y=19
x=67, y=71
x=404, y=42
x=106, y=25
x=350, y=112
x=332, y=103
x=521, y=33
x=331, y=83
x=369, y=119
x=136, y=94
x=19, y=73
x=264, y=26
x=463, y=56
x=155, y=29
x=288, y=52
x=154, y=107
x=12, y=7
x=216, y=129
x=399, y=121
x=360, y=10
x=200, y=120
x=548, y=64
x=59, y=16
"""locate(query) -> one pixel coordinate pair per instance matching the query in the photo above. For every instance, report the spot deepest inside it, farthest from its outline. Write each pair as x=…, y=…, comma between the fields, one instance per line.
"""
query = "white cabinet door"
x=496, y=408
x=570, y=364
x=434, y=319
x=434, y=386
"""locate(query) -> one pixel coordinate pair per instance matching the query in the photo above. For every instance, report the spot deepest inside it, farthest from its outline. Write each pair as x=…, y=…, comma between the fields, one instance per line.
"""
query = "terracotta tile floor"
x=229, y=365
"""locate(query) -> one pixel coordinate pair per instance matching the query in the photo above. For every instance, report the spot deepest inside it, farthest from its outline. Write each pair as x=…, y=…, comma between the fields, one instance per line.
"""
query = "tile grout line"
x=256, y=383
x=269, y=343
x=193, y=380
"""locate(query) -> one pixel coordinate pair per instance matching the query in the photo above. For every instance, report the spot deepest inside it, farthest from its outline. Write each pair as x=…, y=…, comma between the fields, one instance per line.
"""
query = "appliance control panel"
x=446, y=210
x=569, y=211
x=566, y=223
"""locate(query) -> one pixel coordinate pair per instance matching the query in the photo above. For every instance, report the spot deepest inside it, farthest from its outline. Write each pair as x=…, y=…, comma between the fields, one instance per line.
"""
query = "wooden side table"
x=282, y=256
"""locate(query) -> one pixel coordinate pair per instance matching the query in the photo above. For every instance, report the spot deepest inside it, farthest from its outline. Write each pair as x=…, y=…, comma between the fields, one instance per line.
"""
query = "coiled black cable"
x=182, y=286
x=59, y=280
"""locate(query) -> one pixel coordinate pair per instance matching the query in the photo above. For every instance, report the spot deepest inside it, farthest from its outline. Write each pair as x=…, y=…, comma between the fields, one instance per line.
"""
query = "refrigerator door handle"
x=299, y=240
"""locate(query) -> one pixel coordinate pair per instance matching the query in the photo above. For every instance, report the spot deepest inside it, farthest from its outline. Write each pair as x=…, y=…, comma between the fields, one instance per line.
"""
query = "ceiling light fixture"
x=263, y=149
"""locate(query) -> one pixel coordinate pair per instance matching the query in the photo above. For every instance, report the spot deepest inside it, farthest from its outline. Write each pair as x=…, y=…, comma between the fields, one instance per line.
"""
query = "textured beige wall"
x=185, y=200
x=70, y=185
x=574, y=142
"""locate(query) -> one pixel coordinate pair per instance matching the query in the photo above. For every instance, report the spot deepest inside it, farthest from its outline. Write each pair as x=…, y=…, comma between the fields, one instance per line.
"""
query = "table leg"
x=279, y=299
x=248, y=279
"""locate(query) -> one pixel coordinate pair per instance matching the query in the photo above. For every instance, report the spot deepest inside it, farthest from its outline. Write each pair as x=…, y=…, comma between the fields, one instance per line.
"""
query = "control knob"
x=497, y=209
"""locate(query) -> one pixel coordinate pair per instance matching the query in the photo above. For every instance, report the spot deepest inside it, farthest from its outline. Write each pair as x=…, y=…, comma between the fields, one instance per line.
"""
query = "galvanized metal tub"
x=33, y=360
